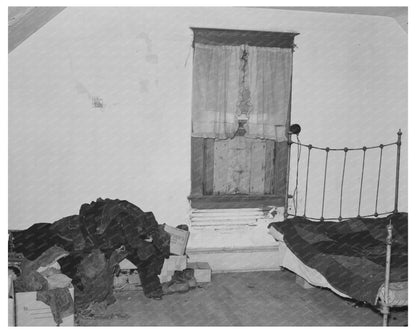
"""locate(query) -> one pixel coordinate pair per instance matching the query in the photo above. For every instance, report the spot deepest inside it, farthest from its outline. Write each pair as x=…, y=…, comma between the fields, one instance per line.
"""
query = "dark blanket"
x=351, y=255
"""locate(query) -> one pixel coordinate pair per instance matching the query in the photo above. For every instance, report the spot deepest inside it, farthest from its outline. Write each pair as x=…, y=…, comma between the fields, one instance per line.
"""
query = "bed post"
x=385, y=310
x=396, y=190
x=289, y=144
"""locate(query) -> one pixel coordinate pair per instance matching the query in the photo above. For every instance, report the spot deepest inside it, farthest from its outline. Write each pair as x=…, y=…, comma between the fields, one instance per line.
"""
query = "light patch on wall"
x=81, y=89
x=152, y=58
x=144, y=86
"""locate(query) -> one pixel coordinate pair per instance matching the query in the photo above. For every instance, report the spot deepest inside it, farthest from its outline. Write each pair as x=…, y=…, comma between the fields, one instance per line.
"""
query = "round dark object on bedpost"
x=295, y=129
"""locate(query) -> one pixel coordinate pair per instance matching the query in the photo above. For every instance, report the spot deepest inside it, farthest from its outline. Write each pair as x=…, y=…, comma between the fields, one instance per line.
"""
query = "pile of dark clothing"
x=96, y=240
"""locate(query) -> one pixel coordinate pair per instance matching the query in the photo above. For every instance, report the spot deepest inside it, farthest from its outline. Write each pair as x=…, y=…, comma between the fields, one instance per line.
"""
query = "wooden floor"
x=243, y=299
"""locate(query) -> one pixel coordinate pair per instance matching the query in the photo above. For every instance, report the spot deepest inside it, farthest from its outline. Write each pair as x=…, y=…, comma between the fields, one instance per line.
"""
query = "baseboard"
x=237, y=259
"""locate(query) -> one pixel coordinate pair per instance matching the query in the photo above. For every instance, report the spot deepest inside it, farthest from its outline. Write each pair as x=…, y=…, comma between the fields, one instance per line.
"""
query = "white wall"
x=349, y=88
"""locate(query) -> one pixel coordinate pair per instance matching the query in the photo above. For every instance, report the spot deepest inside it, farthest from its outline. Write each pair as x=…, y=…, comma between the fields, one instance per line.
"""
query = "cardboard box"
x=30, y=312
x=134, y=278
x=11, y=312
x=202, y=271
x=172, y=264
x=178, y=240
x=127, y=279
x=120, y=281
x=166, y=276
x=126, y=264
x=11, y=300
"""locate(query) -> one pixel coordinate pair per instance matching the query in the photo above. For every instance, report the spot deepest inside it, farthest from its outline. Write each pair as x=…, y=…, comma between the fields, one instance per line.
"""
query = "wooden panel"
x=269, y=179
x=240, y=37
x=221, y=182
x=253, y=166
x=281, y=168
x=257, y=166
x=239, y=156
x=208, y=182
x=197, y=165
x=235, y=201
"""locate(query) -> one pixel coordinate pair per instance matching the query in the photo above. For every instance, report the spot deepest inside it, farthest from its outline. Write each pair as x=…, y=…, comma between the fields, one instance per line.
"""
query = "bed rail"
x=345, y=150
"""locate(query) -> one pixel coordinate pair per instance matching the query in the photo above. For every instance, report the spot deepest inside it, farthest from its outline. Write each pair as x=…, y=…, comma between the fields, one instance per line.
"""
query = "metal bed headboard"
x=328, y=150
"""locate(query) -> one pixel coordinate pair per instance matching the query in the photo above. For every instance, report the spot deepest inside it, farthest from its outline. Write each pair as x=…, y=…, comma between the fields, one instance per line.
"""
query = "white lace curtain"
x=217, y=87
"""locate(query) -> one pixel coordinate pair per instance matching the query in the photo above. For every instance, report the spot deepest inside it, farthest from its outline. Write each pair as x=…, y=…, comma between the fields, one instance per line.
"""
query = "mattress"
x=398, y=291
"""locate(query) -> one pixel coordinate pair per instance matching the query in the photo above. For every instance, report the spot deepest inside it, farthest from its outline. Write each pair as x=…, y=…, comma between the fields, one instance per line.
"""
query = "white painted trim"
x=226, y=217
x=245, y=249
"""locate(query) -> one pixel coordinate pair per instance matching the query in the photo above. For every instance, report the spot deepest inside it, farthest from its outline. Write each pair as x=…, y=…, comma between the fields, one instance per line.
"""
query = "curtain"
x=215, y=91
x=218, y=91
x=269, y=82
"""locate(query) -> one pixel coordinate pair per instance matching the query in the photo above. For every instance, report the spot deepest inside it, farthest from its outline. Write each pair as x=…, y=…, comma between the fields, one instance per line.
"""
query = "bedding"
x=350, y=255
x=398, y=294
x=289, y=261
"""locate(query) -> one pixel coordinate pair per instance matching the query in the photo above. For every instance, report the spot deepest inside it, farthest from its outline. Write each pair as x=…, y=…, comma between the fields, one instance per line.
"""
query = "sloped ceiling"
x=25, y=21
x=400, y=14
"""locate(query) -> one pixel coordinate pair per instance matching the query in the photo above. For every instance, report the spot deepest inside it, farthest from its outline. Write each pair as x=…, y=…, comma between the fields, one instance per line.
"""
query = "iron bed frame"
x=385, y=305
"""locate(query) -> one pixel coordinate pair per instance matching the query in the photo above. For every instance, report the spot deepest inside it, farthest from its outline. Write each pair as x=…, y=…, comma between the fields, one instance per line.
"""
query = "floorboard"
x=244, y=299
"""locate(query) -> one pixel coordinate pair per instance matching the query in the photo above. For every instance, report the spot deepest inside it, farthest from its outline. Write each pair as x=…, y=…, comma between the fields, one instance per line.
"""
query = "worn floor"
x=243, y=299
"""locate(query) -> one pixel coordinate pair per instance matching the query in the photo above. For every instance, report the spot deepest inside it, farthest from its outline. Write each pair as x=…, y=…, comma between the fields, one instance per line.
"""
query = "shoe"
x=172, y=287
x=189, y=276
x=181, y=282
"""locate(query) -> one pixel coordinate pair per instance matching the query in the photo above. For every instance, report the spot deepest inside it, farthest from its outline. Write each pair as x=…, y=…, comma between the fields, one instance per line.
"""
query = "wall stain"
x=150, y=57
